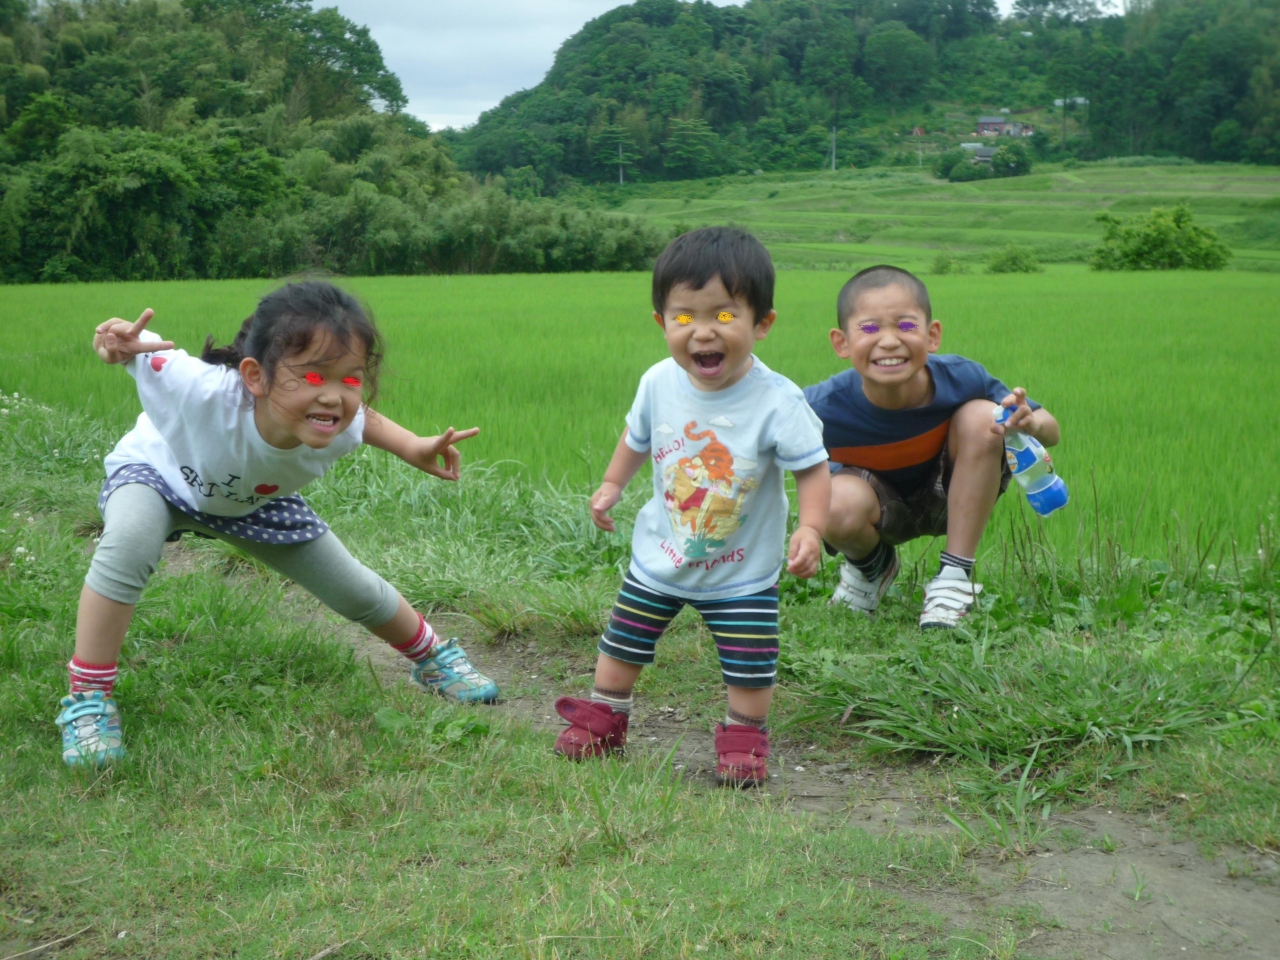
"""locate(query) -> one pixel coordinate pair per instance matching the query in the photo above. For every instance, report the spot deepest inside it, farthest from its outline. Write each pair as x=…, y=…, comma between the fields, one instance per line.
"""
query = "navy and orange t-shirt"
x=898, y=445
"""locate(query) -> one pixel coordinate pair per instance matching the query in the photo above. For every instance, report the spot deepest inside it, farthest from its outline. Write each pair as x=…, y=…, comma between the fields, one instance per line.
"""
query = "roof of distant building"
x=993, y=119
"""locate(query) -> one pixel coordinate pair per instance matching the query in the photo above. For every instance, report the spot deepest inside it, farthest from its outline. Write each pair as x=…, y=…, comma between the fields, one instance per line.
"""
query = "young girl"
x=222, y=448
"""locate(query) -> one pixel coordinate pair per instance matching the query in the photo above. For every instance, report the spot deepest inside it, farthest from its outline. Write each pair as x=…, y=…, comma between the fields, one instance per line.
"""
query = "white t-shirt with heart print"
x=197, y=431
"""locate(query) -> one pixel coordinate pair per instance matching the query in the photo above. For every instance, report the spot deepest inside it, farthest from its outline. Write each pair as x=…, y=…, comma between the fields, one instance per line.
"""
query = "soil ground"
x=1080, y=900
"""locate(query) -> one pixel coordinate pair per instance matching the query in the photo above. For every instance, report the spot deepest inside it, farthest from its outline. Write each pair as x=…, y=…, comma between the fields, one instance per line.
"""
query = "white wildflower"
x=20, y=551
x=4, y=410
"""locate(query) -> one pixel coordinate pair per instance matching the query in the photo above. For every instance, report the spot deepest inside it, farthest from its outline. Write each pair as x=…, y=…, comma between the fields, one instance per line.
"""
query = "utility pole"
x=833, y=149
x=619, y=163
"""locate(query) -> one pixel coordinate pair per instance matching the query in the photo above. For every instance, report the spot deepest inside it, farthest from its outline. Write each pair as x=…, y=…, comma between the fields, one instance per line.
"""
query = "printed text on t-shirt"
x=224, y=489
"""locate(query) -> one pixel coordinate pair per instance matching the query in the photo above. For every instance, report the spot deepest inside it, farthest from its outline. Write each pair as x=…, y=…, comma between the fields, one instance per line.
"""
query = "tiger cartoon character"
x=704, y=495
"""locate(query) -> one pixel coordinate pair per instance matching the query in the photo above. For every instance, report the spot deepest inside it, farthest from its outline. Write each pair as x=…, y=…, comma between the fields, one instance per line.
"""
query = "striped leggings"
x=745, y=630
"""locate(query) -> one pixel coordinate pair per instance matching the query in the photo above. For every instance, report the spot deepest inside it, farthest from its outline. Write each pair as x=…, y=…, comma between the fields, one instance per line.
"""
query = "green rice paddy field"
x=1165, y=384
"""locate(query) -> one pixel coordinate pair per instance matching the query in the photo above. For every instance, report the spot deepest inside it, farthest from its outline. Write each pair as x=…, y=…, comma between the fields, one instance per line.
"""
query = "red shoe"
x=594, y=730
x=742, y=751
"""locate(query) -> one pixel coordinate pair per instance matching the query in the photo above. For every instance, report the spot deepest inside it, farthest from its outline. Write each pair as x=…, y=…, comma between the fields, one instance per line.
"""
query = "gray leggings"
x=138, y=520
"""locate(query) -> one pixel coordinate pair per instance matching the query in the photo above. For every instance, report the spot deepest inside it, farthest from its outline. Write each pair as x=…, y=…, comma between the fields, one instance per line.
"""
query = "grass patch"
x=278, y=800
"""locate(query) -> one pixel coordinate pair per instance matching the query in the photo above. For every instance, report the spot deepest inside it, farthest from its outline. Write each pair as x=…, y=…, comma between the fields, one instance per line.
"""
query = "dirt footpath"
x=1147, y=896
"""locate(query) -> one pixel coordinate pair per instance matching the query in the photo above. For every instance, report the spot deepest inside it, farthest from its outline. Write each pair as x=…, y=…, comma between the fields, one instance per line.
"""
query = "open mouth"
x=888, y=363
x=324, y=422
x=709, y=364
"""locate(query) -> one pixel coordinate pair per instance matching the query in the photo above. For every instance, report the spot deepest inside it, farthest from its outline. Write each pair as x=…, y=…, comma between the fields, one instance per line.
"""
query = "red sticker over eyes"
x=314, y=379
x=352, y=381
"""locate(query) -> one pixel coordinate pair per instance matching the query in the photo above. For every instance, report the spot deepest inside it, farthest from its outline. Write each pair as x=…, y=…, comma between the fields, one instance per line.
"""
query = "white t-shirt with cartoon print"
x=197, y=430
x=716, y=526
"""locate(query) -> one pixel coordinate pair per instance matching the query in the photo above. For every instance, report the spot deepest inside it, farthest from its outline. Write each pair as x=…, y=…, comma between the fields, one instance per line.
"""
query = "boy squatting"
x=914, y=449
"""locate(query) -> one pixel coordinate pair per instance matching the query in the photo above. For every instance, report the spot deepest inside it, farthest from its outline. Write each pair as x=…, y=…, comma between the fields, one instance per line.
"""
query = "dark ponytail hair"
x=288, y=320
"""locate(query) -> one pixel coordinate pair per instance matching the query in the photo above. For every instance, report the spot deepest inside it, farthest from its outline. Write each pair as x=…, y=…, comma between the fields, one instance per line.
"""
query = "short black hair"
x=735, y=256
x=873, y=278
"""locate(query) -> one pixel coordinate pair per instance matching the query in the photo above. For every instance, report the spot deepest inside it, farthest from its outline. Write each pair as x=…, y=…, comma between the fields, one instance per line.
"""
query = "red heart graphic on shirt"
x=158, y=362
x=266, y=489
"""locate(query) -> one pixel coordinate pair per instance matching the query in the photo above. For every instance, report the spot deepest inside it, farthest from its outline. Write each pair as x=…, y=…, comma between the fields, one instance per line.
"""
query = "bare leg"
x=976, y=454
x=401, y=628
x=100, y=627
x=617, y=676
x=855, y=511
x=751, y=701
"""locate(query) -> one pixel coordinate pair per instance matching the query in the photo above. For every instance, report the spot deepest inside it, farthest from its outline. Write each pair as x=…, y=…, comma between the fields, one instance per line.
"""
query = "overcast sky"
x=458, y=59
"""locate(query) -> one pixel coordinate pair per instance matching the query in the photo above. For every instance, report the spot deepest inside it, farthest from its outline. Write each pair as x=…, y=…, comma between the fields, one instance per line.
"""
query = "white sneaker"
x=947, y=598
x=856, y=592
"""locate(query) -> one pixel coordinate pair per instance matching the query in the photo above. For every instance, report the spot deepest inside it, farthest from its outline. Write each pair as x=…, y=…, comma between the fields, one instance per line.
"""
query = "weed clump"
x=948, y=263
x=1014, y=259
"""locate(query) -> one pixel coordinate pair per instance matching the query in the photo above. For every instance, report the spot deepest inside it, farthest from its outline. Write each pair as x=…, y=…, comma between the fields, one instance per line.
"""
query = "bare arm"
x=813, y=491
x=623, y=466
x=425, y=453
x=1044, y=427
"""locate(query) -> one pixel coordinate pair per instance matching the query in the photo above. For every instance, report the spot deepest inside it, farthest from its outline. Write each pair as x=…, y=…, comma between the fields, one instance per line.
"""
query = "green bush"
x=1014, y=259
x=948, y=263
x=1011, y=160
x=967, y=170
x=1164, y=239
x=943, y=162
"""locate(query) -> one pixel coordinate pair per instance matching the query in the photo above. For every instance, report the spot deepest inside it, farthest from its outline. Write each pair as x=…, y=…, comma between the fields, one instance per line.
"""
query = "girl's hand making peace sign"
x=117, y=341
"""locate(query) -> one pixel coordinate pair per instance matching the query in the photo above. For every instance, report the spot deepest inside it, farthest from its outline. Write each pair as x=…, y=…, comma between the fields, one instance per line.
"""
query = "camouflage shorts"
x=924, y=512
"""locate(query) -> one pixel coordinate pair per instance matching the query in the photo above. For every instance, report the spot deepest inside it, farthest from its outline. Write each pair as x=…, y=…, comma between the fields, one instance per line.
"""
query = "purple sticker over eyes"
x=870, y=329
x=908, y=326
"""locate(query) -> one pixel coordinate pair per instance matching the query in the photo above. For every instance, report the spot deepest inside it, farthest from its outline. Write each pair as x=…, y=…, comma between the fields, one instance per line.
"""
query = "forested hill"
x=230, y=138
x=689, y=89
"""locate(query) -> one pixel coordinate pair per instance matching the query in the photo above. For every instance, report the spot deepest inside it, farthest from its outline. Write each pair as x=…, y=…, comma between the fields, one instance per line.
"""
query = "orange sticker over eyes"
x=314, y=379
x=684, y=319
x=724, y=316
x=352, y=381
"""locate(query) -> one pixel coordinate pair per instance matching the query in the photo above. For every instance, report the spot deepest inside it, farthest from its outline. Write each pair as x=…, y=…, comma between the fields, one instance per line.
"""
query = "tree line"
x=153, y=139
x=665, y=89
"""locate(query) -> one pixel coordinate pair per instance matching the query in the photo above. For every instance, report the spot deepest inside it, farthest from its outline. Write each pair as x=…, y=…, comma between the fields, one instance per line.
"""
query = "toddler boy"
x=913, y=444
x=720, y=428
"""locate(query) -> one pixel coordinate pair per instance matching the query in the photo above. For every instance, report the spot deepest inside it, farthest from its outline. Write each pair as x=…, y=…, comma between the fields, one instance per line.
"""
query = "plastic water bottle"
x=1032, y=467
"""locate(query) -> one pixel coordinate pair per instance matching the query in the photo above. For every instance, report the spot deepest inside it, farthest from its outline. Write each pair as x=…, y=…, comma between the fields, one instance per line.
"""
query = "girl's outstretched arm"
x=425, y=453
x=117, y=341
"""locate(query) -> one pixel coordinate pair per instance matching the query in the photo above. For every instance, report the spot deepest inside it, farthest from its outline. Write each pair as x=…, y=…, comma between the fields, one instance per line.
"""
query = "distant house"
x=984, y=154
x=1003, y=127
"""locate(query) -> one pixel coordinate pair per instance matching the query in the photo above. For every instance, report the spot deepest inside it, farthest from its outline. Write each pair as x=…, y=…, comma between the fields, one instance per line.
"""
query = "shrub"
x=1014, y=259
x=943, y=162
x=1164, y=239
x=1011, y=160
x=967, y=170
x=947, y=262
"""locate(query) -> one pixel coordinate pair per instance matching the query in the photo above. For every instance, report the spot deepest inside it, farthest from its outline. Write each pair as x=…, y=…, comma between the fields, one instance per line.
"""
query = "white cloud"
x=664, y=428
x=458, y=59
x=720, y=421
